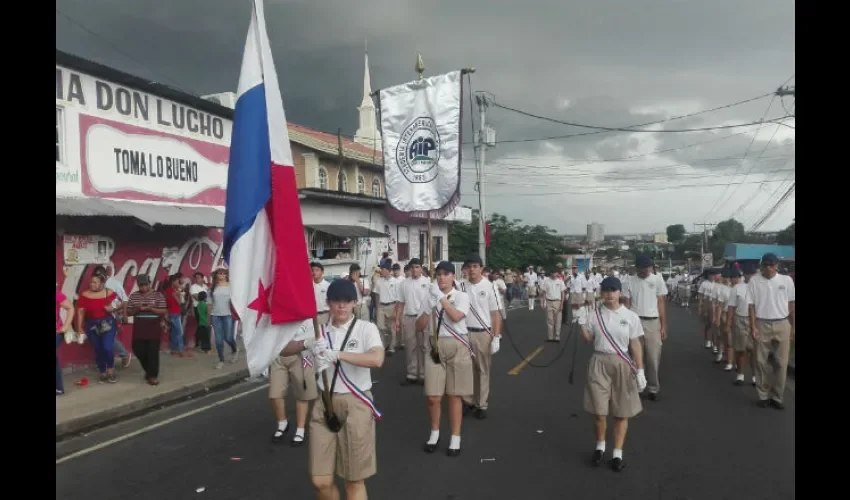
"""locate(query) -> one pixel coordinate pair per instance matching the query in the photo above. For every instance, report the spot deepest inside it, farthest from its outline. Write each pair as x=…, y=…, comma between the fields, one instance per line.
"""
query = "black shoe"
x=653, y=396
x=763, y=403
x=431, y=448
x=617, y=464
x=278, y=435
x=467, y=409
x=776, y=405
x=298, y=440
x=596, y=459
x=408, y=381
x=421, y=381
x=453, y=452
x=481, y=414
x=739, y=382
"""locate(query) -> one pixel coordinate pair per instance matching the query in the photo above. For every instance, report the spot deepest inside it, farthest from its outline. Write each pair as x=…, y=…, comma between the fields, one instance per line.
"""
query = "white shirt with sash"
x=613, y=330
x=482, y=301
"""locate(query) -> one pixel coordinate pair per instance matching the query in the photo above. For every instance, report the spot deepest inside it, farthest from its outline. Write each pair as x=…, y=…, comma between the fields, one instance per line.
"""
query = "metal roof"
x=151, y=214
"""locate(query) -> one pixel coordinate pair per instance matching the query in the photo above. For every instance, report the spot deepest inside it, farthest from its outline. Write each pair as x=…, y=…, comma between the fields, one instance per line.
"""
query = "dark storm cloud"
x=610, y=59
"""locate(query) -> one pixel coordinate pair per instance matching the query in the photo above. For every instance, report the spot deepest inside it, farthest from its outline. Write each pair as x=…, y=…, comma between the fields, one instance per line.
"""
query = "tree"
x=512, y=243
x=675, y=233
x=786, y=236
x=728, y=231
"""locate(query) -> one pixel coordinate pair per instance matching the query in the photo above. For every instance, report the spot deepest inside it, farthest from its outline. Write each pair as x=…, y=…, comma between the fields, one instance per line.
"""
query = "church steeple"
x=367, y=130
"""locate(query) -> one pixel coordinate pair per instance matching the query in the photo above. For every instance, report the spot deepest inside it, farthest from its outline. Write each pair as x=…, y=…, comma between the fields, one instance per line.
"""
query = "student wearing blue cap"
x=614, y=378
x=772, y=322
x=645, y=296
x=738, y=322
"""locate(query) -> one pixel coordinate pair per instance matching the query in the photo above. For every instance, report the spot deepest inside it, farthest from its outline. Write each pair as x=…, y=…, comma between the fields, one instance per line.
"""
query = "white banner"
x=420, y=129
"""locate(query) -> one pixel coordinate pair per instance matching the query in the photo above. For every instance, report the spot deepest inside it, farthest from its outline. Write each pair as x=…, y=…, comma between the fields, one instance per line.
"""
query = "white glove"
x=321, y=365
x=318, y=346
x=436, y=293
x=494, y=345
x=308, y=343
x=330, y=356
x=641, y=380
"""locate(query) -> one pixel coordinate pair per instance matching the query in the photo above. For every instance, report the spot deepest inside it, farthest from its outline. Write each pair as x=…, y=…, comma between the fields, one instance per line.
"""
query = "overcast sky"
x=612, y=63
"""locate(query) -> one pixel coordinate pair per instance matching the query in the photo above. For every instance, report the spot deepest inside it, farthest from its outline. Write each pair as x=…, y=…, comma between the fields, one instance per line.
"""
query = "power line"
x=604, y=191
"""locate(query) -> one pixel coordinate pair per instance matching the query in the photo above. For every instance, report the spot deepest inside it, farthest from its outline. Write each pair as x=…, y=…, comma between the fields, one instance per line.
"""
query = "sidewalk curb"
x=136, y=408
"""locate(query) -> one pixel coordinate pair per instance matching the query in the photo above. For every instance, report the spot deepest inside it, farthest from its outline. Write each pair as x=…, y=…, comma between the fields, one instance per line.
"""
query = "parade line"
x=515, y=370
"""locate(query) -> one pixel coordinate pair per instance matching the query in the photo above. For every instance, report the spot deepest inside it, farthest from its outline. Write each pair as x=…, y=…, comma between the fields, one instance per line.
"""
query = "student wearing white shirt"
x=484, y=324
x=293, y=369
x=772, y=322
x=645, y=296
x=408, y=317
x=342, y=441
x=501, y=291
x=530, y=280
x=738, y=323
x=387, y=289
x=320, y=291
x=704, y=306
x=720, y=296
x=614, y=379
x=577, y=287
x=362, y=285
x=448, y=368
x=553, y=290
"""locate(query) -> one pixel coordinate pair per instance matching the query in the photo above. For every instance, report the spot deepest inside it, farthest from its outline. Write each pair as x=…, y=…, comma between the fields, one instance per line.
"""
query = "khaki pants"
x=385, y=315
x=554, y=314
x=414, y=343
x=480, y=369
x=772, y=349
x=652, y=353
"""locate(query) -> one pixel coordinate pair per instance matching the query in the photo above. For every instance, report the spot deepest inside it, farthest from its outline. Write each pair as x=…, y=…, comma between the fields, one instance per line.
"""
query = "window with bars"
x=403, y=242
x=361, y=185
x=322, y=245
x=376, y=188
x=342, y=182
x=60, y=138
x=322, y=178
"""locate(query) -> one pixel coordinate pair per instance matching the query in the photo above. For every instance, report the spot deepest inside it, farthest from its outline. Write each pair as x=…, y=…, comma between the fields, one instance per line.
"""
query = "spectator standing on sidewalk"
x=147, y=307
x=202, y=340
x=222, y=319
x=120, y=312
x=174, y=301
x=62, y=326
x=94, y=318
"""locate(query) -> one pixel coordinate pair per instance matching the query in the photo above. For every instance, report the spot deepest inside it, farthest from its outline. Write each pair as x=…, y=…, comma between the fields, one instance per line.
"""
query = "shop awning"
x=164, y=215
x=347, y=231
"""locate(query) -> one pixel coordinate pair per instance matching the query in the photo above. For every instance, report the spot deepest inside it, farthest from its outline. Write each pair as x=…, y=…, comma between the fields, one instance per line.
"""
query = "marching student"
x=411, y=321
x=614, y=379
x=448, y=367
x=738, y=323
x=772, y=323
x=720, y=296
x=704, y=292
x=484, y=324
x=645, y=296
x=343, y=439
x=554, y=290
x=293, y=369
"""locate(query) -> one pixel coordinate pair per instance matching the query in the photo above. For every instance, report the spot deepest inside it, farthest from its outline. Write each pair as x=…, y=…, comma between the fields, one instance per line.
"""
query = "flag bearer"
x=451, y=375
x=554, y=291
x=293, y=368
x=772, y=322
x=645, y=296
x=614, y=379
x=738, y=323
x=320, y=290
x=484, y=324
x=412, y=301
x=704, y=292
x=348, y=350
x=386, y=287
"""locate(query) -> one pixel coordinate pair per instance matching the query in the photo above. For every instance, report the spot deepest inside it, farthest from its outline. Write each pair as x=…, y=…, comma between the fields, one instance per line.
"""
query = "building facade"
x=141, y=180
x=595, y=233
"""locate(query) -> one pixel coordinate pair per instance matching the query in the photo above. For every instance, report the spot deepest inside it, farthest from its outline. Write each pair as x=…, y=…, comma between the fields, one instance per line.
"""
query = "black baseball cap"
x=611, y=283
x=446, y=267
x=769, y=259
x=342, y=290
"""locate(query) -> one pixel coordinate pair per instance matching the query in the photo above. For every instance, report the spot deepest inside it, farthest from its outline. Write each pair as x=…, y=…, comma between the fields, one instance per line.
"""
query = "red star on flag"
x=261, y=303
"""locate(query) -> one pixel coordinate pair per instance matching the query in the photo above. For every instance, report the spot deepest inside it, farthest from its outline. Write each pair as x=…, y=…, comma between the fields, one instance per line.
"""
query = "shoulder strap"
x=344, y=340
x=605, y=333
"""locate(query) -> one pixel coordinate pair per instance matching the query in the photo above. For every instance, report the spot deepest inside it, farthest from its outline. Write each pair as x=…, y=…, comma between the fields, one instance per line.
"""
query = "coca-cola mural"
x=197, y=253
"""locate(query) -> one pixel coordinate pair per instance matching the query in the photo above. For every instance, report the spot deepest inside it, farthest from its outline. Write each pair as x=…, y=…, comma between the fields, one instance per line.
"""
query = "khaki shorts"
x=286, y=372
x=453, y=375
x=611, y=387
x=742, y=340
x=708, y=315
x=532, y=291
x=577, y=298
x=350, y=453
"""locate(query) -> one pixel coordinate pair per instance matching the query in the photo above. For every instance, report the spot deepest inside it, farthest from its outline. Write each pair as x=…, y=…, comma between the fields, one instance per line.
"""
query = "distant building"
x=660, y=238
x=595, y=233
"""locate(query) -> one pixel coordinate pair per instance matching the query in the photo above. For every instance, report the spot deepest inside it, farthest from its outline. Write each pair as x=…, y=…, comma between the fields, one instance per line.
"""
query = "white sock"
x=435, y=436
x=281, y=426
x=740, y=377
x=454, y=444
x=299, y=432
x=618, y=453
x=600, y=445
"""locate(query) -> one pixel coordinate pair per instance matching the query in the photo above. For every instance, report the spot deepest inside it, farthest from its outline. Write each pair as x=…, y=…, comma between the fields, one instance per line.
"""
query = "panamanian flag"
x=264, y=244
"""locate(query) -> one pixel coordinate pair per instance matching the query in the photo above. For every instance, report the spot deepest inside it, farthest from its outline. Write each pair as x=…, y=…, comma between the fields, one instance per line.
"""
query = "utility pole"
x=703, y=241
x=483, y=139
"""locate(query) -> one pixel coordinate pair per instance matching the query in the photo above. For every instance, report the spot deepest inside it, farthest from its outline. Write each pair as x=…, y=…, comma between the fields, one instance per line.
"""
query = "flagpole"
x=326, y=392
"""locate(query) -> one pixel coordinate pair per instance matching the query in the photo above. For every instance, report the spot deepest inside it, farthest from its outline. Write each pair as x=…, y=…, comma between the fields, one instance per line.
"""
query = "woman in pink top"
x=62, y=302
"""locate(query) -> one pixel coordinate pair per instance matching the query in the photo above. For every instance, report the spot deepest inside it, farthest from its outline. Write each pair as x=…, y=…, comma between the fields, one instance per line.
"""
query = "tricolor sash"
x=622, y=354
x=460, y=338
x=475, y=312
x=359, y=394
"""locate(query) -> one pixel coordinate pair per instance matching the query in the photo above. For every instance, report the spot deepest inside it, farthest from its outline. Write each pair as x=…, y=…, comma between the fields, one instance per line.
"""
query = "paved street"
x=704, y=439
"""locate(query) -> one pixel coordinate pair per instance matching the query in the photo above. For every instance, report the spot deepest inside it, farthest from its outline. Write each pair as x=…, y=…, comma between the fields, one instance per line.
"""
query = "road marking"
x=515, y=370
x=157, y=425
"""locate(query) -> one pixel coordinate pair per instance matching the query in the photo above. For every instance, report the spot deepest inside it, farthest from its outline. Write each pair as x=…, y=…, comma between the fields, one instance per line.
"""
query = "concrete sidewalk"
x=82, y=408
